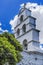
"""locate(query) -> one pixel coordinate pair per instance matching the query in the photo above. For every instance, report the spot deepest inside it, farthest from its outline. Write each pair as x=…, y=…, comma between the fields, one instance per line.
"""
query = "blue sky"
x=9, y=8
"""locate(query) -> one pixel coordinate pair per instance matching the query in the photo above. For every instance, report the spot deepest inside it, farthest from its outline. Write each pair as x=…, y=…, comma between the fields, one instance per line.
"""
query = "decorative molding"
x=28, y=32
x=24, y=20
x=33, y=41
x=23, y=11
x=26, y=25
x=34, y=52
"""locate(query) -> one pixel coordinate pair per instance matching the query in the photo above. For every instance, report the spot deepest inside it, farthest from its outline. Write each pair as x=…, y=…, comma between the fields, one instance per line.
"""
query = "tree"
x=10, y=49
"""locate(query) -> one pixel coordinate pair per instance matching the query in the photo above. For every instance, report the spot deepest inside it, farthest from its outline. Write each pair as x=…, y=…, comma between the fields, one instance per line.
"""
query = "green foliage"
x=12, y=40
x=10, y=49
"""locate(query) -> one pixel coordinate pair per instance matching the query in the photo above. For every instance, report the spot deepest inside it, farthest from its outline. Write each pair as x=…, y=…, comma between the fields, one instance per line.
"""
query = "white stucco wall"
x=35, y=35
x=25, y=13
x=29, y=59
x=27, y=36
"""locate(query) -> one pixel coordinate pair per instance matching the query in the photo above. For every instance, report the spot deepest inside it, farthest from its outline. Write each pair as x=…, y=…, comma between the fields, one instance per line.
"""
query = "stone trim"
x=26, y=25
x=28, y=32
x=34, y=52
x=31, y=24
x=33, y=41
x=23, y=11
x=24, y=20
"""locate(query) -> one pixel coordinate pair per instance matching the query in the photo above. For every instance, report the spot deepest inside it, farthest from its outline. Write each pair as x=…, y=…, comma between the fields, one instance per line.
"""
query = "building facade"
x=27, y=34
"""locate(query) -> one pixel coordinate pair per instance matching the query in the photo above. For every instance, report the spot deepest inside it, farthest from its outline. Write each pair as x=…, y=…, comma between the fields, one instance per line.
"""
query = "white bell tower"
x=26, y=31
x=27, y=34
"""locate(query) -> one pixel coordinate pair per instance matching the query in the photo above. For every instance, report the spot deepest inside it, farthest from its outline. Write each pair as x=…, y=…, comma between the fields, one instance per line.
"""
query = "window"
x=18, y=31
x=35, y=58
x=25, y=44
x=21, y=18
x=24, y=28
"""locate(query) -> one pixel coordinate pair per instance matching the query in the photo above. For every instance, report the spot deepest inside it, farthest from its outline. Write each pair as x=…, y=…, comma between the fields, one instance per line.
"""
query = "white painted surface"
x=33, y=45
x=29, y=59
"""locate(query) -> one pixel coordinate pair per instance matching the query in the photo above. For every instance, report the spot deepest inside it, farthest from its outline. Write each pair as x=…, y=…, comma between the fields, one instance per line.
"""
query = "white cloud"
x=37, y=12
x=41, y=46
x=5, y=31
x=14, y=22
x=22, y=5
x=1, y=30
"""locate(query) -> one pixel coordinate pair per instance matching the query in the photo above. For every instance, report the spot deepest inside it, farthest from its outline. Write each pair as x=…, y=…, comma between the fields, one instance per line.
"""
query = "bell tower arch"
x=25, y=44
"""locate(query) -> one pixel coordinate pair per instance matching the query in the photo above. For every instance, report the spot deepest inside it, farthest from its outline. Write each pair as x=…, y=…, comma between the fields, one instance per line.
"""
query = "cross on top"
x=24, y=5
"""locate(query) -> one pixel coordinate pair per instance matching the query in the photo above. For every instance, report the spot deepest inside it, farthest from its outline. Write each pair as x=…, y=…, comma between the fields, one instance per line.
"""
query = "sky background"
x=10, y=8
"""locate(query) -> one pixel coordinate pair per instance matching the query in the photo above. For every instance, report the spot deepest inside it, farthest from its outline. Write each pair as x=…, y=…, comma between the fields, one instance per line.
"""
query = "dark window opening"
x=35, y=58
x=25, y=44
x=24, y=28
x=18, y=31
x=21, y=18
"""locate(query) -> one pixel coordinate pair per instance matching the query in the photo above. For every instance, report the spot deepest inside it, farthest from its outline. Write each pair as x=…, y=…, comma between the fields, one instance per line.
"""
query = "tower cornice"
x=28, y=32
x=23, y=10
x=25, y=19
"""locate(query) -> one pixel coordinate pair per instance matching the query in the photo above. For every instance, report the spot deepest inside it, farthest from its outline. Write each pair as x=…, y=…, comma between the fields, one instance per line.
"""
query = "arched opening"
x=24, y=28
x=21, y=18
x=18, y=31
x=25, y=44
